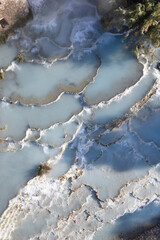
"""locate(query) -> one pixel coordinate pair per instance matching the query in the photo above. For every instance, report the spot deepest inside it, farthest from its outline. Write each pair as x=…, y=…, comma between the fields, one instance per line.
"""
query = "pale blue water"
x=55, y=106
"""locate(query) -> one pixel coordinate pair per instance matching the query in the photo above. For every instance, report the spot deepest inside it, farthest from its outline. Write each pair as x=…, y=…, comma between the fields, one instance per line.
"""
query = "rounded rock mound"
x=13, y=14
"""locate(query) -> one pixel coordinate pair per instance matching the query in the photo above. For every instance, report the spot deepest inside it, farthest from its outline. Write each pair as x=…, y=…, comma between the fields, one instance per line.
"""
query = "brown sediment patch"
x=1, y=74
x=3, y=128
x=43, y=168
x=55, y=93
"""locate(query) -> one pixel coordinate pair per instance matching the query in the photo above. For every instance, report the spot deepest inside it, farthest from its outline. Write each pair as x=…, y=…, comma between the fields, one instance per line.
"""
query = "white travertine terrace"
x=87, y=107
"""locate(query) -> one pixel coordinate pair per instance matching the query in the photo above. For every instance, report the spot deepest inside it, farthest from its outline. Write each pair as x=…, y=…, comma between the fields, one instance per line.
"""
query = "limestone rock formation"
x=13, y=13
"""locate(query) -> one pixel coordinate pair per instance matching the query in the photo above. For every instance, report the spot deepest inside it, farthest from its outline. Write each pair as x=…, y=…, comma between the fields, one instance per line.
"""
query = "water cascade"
x=75, y=103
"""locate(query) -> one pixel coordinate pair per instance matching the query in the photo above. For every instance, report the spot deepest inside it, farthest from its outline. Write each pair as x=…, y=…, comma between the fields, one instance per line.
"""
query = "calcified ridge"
x=87, y=107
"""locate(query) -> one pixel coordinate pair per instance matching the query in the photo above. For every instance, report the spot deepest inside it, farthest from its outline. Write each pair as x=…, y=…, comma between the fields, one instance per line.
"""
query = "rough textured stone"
x=150, y=234
x=13, y=12
x=112, y=18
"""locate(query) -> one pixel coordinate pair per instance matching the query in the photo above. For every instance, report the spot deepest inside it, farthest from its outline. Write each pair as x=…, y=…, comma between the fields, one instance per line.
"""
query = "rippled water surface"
x=61, y=106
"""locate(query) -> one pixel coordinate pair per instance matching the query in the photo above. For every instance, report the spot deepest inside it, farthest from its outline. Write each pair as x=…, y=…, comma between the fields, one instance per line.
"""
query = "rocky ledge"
x=13, y=14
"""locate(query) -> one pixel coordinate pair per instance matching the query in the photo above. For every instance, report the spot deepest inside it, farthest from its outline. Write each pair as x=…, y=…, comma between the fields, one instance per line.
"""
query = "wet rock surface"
x=152, y=234
x=75, y=107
